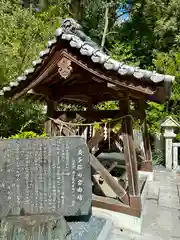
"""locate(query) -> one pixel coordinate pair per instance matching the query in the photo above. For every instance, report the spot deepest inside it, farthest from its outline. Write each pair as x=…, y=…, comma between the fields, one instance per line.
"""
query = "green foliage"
x=96, y=126
x=155, y=114
x=158, y=157
x=123, y=52
x=117, y=127
x=27, y=135
x=20, y=116
x=177, y=139
x=152, y=25
x=169, y=63
x=23, y=35
x=109, y=105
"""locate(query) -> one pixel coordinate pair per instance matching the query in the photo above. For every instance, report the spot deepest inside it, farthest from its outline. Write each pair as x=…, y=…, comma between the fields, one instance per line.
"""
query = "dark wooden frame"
x=129, y=201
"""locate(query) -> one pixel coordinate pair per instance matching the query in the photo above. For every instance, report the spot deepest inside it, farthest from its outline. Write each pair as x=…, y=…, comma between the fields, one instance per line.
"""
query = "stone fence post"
x=169, y=126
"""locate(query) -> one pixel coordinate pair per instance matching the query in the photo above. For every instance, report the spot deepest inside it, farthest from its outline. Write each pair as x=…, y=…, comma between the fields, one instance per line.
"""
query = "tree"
x=22, y=115
x=22, y=30
x=152, y=25
x=23, y=34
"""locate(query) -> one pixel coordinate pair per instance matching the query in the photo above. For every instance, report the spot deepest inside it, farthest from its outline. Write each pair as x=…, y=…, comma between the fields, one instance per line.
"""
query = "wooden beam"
x=76, y=98
x=89, y=88
x=129, y=151
x=115, y=206
x=34, y=83
x=131, y=84
x=112, y=166
x=147, y=148
x=98, y=187
x=99, y=135
x=47, y=72
x=116, y=188
x=51, y=107
x=96, y=115
x=78, y=89
x=147, y=163
x=52, y=78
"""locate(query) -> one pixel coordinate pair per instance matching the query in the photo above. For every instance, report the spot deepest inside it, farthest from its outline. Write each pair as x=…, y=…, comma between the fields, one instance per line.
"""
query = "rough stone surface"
x=91, y=230
x=45, y=175
x=168, y=200
x=161, y=214
x=153, y=191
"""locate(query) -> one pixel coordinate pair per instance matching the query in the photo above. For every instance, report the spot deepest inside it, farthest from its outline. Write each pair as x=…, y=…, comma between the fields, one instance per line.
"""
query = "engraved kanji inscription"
x=44, y=176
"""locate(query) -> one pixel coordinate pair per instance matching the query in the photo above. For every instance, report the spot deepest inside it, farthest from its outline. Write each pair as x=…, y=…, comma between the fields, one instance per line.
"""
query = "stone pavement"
x=161, y=214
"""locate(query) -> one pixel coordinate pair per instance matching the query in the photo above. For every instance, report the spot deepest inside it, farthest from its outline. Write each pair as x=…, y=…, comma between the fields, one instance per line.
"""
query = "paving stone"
x=169, y=189
x=122, y=235
x=169, y=200
x=148, y=237
x=161, y=219
x=153, y=190
x=164, y=175
x=160, y=222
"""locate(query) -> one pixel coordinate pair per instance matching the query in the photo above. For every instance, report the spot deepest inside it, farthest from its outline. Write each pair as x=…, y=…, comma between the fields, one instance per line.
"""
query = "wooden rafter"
x=49, y=69
x=111, y=79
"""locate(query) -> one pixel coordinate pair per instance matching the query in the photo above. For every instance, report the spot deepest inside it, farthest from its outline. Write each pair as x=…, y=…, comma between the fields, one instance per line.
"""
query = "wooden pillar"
x=147, y=164
x=51, y=108
x=129, y=150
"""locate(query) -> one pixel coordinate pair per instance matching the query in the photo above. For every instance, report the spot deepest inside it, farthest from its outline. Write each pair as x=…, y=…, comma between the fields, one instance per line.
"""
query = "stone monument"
x=45, y=185
x=42, y=181
x=169, y=126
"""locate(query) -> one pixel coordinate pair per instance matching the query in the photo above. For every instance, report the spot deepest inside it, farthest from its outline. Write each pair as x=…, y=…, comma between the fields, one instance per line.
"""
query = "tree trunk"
x=105, y=27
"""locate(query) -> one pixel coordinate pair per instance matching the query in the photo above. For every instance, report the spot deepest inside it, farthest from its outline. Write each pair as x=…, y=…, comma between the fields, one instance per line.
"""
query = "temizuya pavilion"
x=73, y=70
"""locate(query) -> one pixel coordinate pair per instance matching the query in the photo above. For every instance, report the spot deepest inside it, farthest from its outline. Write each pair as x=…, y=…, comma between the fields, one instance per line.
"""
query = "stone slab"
x=45, y=175
x=97, y=228
x=149, y=175
x=120, y=220
x=153, y=190
x=124, y=235
x=170, y=188
x=37, y=227
x=160, y=221
x=169, y=200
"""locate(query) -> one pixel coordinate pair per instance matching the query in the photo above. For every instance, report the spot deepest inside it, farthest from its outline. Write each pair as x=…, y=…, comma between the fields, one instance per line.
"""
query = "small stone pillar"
x=169, y=125
x=175, y=155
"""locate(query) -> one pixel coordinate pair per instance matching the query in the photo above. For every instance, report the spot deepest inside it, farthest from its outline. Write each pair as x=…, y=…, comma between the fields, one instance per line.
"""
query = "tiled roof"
x=72, y=32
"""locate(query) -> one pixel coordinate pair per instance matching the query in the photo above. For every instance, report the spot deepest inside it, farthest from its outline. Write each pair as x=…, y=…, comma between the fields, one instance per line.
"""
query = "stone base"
x=97, y=228
x=125, y=221
x=120, y=220
x=149, y=175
